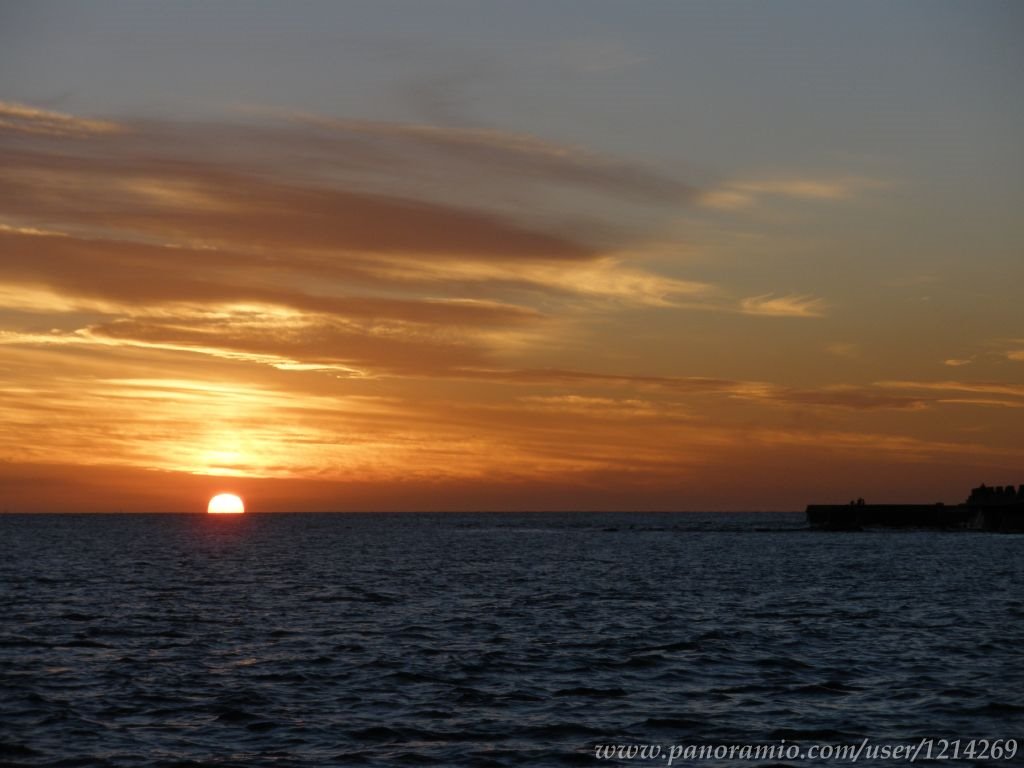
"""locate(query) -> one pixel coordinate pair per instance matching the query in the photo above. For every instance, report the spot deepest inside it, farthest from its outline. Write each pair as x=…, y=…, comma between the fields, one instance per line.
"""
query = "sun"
x=225, y=503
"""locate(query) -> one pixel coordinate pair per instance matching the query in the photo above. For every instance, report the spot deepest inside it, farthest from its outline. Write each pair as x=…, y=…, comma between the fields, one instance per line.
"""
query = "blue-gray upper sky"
x=717, y=83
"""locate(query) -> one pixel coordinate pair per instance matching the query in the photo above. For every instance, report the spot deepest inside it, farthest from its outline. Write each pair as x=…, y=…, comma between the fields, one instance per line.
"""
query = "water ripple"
x=490, y=640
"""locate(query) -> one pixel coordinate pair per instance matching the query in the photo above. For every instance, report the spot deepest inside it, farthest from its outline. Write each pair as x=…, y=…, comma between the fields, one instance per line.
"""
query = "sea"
x=494, y=639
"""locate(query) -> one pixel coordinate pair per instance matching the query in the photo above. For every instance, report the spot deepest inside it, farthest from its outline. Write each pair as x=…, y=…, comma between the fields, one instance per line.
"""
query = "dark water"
x=493, y=640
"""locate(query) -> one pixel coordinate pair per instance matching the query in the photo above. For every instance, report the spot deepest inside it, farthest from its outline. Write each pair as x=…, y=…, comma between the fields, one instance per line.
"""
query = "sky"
x=451, y=255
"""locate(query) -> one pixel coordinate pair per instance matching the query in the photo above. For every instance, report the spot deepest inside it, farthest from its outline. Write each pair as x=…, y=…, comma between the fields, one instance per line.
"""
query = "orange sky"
x=338, y=312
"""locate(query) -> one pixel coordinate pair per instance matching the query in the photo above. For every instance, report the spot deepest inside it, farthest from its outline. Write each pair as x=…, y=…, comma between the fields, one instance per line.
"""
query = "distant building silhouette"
x=988, y=508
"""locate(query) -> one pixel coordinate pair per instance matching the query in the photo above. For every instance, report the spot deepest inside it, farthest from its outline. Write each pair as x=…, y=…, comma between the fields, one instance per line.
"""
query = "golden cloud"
x=791, y=305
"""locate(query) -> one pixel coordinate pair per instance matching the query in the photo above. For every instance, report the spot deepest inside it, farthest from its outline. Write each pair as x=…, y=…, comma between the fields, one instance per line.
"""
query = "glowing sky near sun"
x=375, y=255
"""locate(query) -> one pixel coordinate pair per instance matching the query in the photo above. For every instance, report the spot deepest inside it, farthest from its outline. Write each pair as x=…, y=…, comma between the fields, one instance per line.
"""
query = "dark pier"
x=988, y=508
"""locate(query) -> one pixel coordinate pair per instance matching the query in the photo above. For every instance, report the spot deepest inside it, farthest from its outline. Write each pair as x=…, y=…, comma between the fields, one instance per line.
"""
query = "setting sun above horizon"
x=226, y=503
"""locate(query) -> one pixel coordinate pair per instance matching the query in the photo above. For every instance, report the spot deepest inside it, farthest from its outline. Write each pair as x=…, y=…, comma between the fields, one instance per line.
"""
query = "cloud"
x=546, y=376
x=596, y=407
x=517, y=156
x=740, y=194
x=979, y=393
x=21, y=118
x=993, y=388
x=608, y=277
x=132, y=402
x=842, y=396
x=846, y=397
x=791, y=305
x=354, y=351
x=189, y=205
x=201, y=425
x=992, y=351
x=284, y=340
x=313, y=244
x=344, y=348
x=383, y=207
x=128, y=277
x=286, y=212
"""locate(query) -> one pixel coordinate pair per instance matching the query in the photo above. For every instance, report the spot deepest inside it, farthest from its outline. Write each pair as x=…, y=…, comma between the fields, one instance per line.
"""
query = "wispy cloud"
x=488, y=151
x=22, y=118
x=381, y=204
x=995, y=388
x=736, y=195
x=791, y=305
x=597, y=407
x=1014, y=350
x=979, y=393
